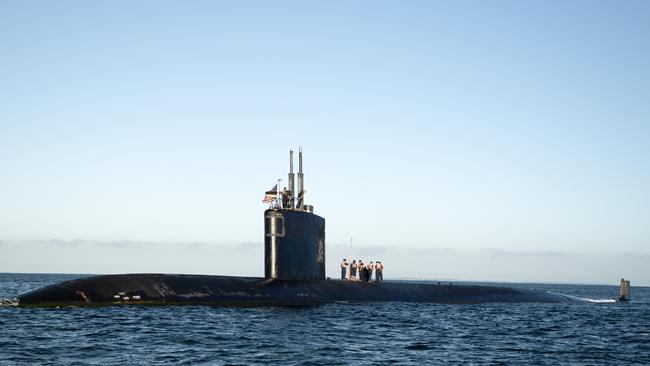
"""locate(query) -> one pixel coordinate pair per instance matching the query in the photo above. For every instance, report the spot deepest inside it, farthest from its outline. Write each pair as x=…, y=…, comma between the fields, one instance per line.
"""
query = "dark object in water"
x=624, y=290
x=294, y=270
x=161, y=289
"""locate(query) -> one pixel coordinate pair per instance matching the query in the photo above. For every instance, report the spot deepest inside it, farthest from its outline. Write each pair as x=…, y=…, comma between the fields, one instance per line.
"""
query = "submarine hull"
x=170, y=289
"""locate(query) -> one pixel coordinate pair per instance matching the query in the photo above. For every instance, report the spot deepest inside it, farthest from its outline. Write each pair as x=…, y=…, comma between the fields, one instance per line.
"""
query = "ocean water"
x=600, y=332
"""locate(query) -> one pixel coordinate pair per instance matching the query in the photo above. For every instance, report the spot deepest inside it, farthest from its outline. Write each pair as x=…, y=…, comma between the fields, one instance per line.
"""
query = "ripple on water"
x=390, y=333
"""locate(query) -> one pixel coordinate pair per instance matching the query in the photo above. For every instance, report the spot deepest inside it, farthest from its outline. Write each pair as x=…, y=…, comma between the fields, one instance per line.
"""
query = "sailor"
x=285, y=198
x=362, y=271
x=353, y=270
x=344, y=268
x=365, y=272
x=379, y=271
x=370, y=267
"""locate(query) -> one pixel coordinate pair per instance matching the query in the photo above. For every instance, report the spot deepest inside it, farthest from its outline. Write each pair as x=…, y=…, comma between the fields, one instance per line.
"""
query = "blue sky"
x=472, y=127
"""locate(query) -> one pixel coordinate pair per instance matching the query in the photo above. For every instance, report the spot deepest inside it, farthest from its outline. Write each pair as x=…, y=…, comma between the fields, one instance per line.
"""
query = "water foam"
x=601, y=300
x=8, y=302
x=585, y=299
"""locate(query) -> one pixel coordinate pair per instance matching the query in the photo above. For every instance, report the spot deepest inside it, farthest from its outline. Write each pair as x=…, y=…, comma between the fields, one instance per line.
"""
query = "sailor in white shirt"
x=344, y=268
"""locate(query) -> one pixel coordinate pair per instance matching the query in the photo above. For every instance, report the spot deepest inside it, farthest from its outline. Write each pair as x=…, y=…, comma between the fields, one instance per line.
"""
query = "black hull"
x=171, y=289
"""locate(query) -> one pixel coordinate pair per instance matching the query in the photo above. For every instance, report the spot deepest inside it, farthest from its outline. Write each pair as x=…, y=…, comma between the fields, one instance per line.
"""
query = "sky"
x=470, y=140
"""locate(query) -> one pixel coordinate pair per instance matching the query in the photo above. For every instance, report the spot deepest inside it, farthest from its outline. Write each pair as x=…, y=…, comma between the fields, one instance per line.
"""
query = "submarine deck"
x=176, y=289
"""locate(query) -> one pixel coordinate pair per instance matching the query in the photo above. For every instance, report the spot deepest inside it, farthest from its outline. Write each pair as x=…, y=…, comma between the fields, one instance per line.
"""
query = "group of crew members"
x=349, y=271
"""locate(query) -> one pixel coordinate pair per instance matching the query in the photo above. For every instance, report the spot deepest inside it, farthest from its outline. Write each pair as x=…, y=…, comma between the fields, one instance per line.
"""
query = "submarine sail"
x=294, y=238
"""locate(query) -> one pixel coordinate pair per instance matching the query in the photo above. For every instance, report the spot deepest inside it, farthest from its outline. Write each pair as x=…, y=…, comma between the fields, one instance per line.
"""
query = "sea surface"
x=599, y=332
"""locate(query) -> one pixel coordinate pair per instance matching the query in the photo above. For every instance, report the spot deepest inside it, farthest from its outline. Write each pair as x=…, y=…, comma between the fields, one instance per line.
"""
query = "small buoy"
x=624, y=290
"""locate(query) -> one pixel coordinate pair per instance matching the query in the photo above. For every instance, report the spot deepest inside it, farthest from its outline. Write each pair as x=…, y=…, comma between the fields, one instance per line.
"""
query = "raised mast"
x=291, y=182
x=301, y=191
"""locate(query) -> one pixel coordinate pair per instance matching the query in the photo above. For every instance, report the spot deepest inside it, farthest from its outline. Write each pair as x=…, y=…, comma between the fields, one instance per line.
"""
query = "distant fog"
x=246, y=259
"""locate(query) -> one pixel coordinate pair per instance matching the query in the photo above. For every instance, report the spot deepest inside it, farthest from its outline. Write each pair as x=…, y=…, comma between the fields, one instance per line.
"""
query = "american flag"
x=270, y=195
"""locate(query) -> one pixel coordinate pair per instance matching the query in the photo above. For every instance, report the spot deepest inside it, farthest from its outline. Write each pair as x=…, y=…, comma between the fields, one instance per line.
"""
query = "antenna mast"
x=301, y=191
x=291, y=182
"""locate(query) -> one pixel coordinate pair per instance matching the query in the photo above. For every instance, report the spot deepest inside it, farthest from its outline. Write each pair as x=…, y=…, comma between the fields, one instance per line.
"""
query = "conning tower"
x=294, y=237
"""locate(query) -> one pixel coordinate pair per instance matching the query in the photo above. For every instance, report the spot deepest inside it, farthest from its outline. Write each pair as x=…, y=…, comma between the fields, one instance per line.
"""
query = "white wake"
x=8, y=302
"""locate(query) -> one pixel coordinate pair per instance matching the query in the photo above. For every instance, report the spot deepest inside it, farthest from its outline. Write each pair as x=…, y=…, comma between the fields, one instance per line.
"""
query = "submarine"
x=294, y=274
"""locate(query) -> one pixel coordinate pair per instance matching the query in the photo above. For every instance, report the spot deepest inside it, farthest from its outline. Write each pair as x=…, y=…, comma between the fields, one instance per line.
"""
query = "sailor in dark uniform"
x=286, y=201
x=369, y=267
x=362, y=271
x=344, y=268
